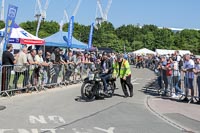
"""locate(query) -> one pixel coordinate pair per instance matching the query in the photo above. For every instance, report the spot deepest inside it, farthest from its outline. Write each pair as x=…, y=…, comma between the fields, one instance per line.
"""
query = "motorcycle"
x=92, y=87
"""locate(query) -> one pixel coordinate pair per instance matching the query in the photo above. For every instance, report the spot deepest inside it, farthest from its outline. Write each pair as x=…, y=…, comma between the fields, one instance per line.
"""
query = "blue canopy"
x=59, y=39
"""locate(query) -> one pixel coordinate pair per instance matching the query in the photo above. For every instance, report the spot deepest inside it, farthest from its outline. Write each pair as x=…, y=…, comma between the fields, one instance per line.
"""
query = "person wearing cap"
x=122, y=70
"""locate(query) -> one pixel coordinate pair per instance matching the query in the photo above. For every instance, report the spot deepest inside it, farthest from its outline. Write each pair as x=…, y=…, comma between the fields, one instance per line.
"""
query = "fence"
x=14, y=79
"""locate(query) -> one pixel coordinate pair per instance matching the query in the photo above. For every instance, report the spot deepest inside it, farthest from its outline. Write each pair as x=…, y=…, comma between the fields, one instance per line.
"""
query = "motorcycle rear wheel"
x=112, y=89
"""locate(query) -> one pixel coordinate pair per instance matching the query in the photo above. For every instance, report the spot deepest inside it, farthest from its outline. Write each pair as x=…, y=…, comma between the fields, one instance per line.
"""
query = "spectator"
x=197, y=72
x=33, y=68
x=70, y=65
x=40, y=69
x=169, y=74
x=21, y=68
x=176, y=79
x=61, y=56
x=8, y=62
x=178, y=59
x=163, y=75
x=78, y=64
x=188, y=68
x=55, y=58
x=86, y=58
x=48, y=70
x=92, y=57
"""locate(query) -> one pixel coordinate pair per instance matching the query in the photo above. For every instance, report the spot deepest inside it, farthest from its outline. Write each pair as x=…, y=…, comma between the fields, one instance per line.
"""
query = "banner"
x=70, y=31
x=12, y=11
x=90, y=36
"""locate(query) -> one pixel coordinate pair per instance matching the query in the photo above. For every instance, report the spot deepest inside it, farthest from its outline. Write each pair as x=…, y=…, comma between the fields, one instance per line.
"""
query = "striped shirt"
x=189, y=65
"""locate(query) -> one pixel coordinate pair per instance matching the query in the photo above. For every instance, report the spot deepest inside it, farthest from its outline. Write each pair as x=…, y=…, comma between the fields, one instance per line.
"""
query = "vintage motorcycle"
x=92, y=87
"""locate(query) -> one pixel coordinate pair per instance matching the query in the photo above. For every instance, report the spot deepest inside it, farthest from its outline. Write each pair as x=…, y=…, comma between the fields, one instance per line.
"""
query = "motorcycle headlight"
x=98, y=79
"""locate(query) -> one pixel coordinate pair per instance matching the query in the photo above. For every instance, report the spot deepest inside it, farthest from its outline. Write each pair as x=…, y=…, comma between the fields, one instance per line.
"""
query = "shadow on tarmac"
x=2, y=107
x=80, y=99
x=152, y=89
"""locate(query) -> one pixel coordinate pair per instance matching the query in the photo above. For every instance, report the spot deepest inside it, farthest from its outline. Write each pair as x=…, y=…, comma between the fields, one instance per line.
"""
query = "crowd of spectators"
x=177, y=73
x=46, y=69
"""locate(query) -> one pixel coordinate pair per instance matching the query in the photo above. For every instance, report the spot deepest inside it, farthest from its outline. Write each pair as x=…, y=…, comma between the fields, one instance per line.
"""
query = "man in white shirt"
x=188, y=69
x=41, y=63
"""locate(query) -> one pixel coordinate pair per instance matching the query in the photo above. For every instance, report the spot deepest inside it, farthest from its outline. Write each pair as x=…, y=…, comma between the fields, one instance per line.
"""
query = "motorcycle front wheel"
x=87, y=92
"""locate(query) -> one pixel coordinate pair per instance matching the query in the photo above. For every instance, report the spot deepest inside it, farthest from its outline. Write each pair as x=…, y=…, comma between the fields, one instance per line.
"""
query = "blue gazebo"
x=59, y=39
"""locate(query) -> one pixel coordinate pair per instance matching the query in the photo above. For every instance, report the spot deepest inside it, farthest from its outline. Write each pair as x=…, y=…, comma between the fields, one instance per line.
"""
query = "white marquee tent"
x=144, y=51
x=165, y=51
x=21, y=36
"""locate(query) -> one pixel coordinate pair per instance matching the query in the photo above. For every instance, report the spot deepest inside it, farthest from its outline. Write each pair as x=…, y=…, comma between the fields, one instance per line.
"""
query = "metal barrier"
x=17, y=79
x=184, y=84
x=177, y=85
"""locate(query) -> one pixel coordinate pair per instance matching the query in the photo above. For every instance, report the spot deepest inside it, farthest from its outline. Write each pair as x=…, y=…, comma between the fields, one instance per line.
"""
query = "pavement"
x=58, y=111
x=184, y=115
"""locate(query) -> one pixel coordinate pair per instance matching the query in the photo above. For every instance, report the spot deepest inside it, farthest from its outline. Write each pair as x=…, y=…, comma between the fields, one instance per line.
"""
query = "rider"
x=107, y=70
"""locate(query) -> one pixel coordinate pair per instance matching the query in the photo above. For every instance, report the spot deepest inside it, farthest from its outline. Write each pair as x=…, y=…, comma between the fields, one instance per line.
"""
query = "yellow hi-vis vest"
x=124, y=70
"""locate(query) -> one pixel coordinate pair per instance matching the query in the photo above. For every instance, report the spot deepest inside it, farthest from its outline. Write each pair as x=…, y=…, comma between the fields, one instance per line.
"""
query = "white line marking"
x=40, y=119
x=135, y=83
x=110, y=130
x=5, y=130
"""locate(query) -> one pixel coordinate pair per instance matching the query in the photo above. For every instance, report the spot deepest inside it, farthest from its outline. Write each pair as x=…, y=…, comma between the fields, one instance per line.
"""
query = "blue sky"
x=163, y=13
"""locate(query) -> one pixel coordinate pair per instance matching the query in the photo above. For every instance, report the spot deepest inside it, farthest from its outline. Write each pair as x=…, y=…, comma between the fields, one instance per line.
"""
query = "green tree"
x=47, y=28
x=132, y=36
x=2, y=24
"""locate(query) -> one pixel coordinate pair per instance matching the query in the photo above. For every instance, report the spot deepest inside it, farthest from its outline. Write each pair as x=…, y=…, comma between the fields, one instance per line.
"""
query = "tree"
x=132, y=36
x=2, y=24
x=47, y=28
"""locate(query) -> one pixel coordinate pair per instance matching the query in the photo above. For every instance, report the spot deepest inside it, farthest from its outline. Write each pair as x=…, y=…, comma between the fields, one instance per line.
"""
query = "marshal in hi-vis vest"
x=124, y=70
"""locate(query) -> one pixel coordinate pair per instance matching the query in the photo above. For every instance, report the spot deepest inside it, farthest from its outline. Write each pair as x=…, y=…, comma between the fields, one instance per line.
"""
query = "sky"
x=162, y=13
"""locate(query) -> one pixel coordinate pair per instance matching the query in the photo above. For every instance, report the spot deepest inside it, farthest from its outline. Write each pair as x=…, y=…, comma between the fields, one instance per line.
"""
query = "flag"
x=90, y=36
x=12, y=11
x=70, y=31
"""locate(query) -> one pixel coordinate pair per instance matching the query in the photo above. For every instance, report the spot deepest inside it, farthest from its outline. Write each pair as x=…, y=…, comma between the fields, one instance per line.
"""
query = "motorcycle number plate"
x=91, y=76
